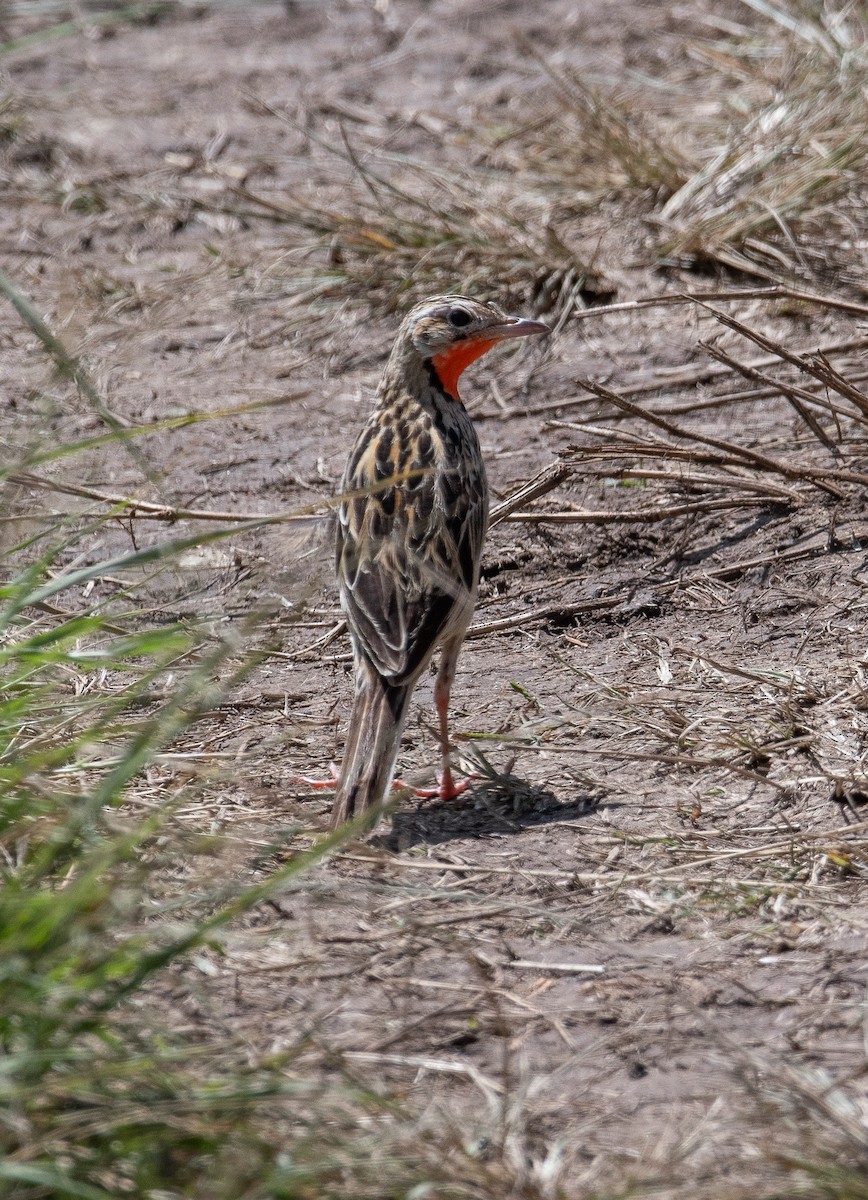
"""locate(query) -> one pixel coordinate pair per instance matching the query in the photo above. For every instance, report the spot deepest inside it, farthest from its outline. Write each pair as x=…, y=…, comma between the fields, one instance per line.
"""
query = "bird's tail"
x=376, y=722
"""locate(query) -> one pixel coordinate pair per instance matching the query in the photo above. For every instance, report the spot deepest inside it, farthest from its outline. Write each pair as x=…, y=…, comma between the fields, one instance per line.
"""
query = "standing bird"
x=411, y=525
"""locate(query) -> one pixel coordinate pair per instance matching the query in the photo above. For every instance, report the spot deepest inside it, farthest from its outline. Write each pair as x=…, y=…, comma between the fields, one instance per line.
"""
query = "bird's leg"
x=442, y=691
x=448, y=788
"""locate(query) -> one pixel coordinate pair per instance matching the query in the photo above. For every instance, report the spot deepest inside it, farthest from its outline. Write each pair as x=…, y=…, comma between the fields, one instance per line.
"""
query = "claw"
x=324, y=784
x=447, y=788
x=320, y=783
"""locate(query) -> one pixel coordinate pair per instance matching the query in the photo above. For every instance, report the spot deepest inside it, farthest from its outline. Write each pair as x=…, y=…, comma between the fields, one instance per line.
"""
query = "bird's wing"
x=407, y=553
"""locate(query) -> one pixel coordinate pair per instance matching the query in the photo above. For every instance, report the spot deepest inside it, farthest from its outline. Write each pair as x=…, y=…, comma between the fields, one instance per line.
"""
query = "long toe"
x=320, y=783
x=449, y=789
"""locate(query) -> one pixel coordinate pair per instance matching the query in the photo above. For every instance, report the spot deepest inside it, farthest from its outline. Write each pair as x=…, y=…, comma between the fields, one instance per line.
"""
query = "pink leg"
x=448, y=789
x=442, y=690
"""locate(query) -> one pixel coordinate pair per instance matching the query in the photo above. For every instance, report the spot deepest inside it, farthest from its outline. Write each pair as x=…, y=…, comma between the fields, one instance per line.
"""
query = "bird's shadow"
x=499, y=805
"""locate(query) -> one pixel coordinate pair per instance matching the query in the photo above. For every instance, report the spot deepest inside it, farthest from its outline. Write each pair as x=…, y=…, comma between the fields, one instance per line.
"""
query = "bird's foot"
x=447, y=788
x=332, y=782
x=324, y=784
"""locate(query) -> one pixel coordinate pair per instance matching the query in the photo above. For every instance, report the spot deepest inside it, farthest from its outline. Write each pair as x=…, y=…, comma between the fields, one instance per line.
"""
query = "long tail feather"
x=376, y=722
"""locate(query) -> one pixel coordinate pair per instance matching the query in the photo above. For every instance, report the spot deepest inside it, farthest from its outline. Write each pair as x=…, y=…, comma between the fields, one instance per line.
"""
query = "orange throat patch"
x=451, y=363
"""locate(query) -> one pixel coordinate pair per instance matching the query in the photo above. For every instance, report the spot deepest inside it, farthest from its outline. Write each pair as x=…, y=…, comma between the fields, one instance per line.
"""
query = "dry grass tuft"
x=390, y=243
x=781, y=191
x=607, y=144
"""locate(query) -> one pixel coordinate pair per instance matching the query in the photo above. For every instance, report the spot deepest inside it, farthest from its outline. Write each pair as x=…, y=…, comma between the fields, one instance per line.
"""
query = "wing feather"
x=408, y=553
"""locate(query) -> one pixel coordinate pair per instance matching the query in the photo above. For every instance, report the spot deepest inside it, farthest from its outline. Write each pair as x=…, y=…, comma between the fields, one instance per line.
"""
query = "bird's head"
x=451, y=332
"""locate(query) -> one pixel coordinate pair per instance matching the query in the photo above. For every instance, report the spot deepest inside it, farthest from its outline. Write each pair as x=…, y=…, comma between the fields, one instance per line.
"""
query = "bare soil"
x=634, y=952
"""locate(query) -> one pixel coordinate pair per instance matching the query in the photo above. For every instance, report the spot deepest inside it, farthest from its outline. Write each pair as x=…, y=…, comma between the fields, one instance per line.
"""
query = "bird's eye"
x=458, y=318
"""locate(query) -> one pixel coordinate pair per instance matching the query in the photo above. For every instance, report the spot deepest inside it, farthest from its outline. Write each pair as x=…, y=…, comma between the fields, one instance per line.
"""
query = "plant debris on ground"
x=631, y=960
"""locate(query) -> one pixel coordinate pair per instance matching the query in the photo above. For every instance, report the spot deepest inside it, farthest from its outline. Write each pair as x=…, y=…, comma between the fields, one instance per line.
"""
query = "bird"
x=411, y=522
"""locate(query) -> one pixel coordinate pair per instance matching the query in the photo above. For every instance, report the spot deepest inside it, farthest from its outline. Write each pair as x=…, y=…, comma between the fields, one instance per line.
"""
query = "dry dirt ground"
x=634, y=953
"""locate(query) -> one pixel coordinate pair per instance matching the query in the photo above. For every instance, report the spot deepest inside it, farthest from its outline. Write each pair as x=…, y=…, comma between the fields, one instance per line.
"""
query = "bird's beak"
x=515, y=327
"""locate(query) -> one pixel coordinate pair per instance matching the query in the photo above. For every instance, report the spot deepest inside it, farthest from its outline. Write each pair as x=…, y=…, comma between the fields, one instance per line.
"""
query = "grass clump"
x=101, y=1094
x=98, y=1095
x=779, y=191
x=768, y=181
x=390, y=244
